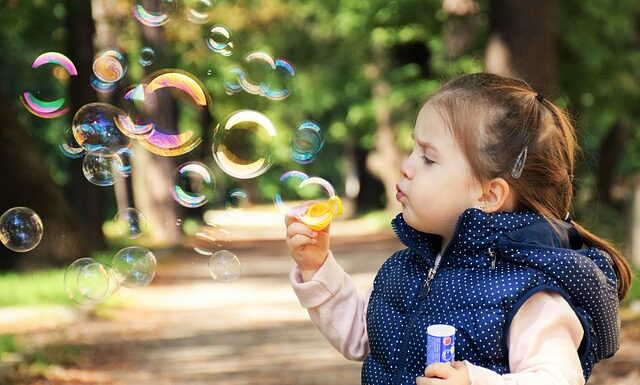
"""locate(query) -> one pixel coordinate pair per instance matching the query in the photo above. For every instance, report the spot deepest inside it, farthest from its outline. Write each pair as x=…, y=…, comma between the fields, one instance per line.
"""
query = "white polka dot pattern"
x=492, y=265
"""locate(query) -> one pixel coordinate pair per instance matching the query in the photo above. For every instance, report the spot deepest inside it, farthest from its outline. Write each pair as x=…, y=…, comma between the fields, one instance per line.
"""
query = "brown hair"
x=494, y=118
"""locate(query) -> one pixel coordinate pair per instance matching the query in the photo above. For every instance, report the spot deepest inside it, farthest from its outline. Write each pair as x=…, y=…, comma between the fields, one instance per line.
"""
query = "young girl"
x=491, y=250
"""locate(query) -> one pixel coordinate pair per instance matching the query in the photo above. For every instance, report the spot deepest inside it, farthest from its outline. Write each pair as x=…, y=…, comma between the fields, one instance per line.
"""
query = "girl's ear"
x=497, y=196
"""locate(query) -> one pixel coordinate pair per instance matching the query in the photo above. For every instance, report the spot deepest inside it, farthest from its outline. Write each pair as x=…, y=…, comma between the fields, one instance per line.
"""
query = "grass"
x=33, y=288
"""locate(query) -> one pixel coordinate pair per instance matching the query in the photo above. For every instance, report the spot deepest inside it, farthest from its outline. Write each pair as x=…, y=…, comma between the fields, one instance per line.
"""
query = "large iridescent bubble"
x=49, y=108
x=243, y=144
x=191, y=97
x=94, y=128
x=20, y=229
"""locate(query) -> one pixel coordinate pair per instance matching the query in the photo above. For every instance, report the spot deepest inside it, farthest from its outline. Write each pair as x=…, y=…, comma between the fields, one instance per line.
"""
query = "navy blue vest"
x=493, y=264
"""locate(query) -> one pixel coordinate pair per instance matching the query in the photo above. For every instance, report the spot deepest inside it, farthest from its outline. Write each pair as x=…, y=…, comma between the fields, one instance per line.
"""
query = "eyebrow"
x=425, y=145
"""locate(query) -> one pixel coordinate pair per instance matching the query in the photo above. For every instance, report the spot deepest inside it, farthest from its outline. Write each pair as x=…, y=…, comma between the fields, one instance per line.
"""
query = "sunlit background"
x=149, y=148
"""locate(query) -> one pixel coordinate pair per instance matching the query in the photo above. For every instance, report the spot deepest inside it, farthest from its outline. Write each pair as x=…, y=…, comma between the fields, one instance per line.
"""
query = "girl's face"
x=437, y=183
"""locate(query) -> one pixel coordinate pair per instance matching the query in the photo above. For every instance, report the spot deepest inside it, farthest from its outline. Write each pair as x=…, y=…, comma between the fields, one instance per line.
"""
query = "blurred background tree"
x=362, y=71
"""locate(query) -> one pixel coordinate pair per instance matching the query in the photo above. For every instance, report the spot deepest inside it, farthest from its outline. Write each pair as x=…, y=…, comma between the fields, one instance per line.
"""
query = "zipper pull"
x=427, y=283
x=494, y=255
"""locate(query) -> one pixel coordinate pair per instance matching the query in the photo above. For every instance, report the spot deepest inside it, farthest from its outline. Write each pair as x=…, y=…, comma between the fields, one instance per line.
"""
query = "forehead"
x=431, y=127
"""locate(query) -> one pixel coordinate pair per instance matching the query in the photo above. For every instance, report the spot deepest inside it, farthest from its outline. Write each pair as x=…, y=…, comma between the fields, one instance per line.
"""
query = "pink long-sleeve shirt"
x=543, y=339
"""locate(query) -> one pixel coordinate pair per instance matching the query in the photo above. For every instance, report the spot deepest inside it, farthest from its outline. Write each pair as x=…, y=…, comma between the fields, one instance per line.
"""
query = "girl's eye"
x=426, y=160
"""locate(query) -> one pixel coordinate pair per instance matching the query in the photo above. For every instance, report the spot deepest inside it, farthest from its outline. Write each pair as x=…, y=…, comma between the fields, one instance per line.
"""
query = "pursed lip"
x=399, y=193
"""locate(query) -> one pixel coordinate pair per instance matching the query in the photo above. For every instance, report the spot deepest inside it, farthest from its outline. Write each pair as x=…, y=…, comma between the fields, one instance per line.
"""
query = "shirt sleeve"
x=543, y=340
x=335, y=307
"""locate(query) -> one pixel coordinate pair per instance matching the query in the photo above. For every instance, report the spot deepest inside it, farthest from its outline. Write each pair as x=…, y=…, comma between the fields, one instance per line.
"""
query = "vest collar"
x=476, y=231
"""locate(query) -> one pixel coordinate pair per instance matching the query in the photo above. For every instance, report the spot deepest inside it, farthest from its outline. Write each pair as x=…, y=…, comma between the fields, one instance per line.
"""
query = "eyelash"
x=427, y=161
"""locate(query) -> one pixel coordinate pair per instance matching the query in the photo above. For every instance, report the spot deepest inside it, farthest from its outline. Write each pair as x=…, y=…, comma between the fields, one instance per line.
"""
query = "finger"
x=439, y=370
x=300, y=228
x=429, y=381
x=299, y=241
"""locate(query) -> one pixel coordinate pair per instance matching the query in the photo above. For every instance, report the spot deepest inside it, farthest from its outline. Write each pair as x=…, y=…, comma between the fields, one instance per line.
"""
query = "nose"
x=405, y=168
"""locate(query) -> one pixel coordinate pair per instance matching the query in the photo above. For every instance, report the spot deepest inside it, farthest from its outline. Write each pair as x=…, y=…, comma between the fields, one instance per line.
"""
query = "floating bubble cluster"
x=224, y=266
x=242, y=146
x=88, y=282
x=20, y=229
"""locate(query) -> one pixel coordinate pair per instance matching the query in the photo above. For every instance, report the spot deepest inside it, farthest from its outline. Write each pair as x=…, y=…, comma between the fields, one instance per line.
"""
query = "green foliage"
x=36, y=288
x=8, y=344
x=599, y=71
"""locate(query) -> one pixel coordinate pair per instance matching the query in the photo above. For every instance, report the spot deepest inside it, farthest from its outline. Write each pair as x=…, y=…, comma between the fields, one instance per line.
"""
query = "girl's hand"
x=441, y=374
x=308, y=248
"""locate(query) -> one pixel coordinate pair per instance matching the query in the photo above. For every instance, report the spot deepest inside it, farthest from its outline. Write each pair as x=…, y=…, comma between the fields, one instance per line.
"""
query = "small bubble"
x=224, y=266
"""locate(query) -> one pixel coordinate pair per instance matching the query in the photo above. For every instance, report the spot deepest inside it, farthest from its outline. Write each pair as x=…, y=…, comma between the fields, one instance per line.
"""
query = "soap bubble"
x=134, y=121
x=130, y=223
x=100, y=86
x=20, y=229
x=109, y=65
x=242, y=146
x=87, y=281
x=70, y=148
x=287, y=192
x=134, y=266
x=125, y=155
x=94, y=128
x=192, y=99
x=210, y=237
x=153, y=13
x=224, y=266
x=219, y=40
x=193, y=185
x=306, y=142
x=276, y=86
x=237, y=199
x=147, y=56
x=101, y=167
x=52, y=108
x=199, y=11
x=232, y=78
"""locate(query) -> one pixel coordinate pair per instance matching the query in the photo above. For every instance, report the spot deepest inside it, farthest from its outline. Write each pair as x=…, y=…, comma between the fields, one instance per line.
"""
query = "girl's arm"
x=334, y=306
x=544, y=338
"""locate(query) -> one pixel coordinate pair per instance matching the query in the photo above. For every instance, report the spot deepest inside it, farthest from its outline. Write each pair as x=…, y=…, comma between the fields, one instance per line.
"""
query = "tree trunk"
x=26, y=182
x=522, y=42
x=609, y=157
x=384, y=161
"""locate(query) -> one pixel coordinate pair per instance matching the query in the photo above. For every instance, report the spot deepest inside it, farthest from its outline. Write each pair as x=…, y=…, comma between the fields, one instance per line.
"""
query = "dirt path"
x=187, y=329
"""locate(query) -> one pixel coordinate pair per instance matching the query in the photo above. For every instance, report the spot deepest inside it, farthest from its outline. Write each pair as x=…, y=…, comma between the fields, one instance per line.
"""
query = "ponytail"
x=620, y=264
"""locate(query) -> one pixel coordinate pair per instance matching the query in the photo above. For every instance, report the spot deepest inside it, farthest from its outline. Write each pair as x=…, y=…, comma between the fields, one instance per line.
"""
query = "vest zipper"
x=494, y=256
x=426, y=287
